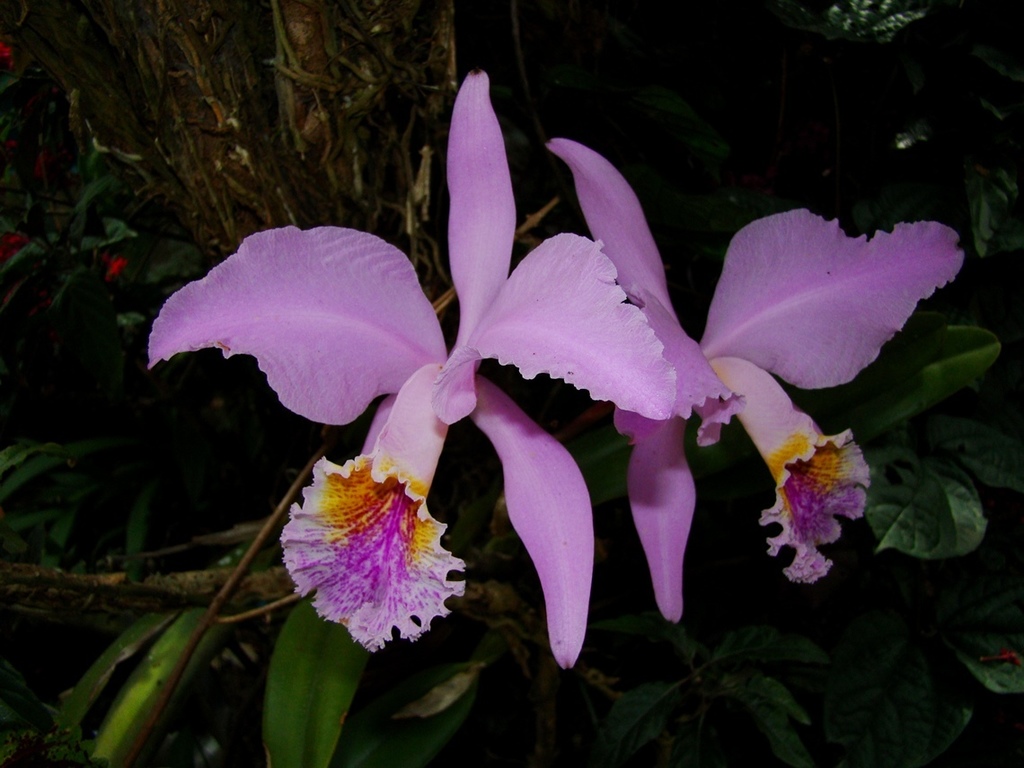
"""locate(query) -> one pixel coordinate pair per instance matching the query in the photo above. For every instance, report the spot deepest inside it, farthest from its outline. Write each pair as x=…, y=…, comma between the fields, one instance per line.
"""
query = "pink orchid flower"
x=797, y=298
x=336, y=318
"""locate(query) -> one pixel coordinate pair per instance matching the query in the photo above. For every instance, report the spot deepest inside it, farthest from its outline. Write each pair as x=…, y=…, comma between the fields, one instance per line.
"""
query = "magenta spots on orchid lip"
x=812, y=493
x=371, y=551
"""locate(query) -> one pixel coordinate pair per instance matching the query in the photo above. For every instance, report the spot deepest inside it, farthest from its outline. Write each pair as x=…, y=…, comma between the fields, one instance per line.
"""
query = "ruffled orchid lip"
x=366, y=543
x=814, y=488
x=818, y=478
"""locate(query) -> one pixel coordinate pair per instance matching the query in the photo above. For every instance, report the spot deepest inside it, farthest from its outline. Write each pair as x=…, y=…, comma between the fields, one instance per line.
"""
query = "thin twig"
x=443, y=301
x=210, y=617
x=261, y=611
x=535, y=218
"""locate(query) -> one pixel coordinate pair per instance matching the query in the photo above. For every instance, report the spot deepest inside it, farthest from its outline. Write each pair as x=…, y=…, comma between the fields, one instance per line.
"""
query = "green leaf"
x=634, y=719
x=19, y=706
x=697, y=746
x=135, y=700
x=865, y=21
x=896, y=203
x=883, y=703
x=772, y=706
x=671, y=112
x=53, y=749
x=375, y=737
x=981, y=618
x=766, y=644
x=57, y=456
x=87, y=324
x=965, y=354
x=725, y=211
x=997, y=460
x=314, y=673
x=653, y=626
x=84, y=694
x=14, y=455
x=1001, y=61
x=929, y=509
x=602, y=455
x=991, y=195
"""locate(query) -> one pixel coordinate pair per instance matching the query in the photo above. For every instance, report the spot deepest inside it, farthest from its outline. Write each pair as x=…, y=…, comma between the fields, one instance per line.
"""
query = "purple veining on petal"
x=811, y=494
x=372, y=552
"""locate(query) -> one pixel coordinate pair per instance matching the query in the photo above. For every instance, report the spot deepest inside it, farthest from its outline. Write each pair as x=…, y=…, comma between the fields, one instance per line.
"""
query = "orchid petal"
x=697, y=385
x=549, y=507
x=363, y=539
x=334, y=317
x=799, y=298
x=662, y=496
x=817, y=477
x=698, y=388
x=482, y=221
x=614, y=217
x=561, y=313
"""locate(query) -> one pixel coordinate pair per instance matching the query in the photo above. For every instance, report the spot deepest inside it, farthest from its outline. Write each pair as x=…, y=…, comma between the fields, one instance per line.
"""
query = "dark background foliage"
x=142, y=141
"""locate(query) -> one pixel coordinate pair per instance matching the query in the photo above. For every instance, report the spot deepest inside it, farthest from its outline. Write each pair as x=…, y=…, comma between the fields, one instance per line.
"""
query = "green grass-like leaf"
x=314, y=674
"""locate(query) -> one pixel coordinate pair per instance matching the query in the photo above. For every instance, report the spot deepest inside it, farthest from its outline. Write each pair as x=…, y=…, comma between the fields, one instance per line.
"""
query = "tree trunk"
x=241, y=116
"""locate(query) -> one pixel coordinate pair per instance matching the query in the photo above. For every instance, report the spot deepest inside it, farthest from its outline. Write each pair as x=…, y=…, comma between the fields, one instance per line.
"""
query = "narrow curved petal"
x=549, y=506
x=614, y=217
x=662, y=497
x=482, y=222
x=561, y=313
x=697, y=385
x=362, y=537
x=334, y=317
x=799, y=298
x=818, y=478
x=698, y=388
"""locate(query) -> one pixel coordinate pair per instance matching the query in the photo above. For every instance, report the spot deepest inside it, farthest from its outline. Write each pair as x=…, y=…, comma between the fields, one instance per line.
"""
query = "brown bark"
x=53, y=593
x=241, y=116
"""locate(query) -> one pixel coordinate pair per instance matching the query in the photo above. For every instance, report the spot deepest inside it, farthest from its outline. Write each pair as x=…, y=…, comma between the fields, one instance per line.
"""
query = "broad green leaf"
x=883, y=703
x=981, y=619
x=930, y=509
x=1006, y=64
x=966, y=353
x=991, y=196
x=86, y=321
x=19, y=706
x=653, y=626
x=135, y=700
x=634, y=720
x=996, y=459
x=697, y=746
x=772, y=706
x=865, y=21
x=314, y=673
x=766, y=644
x=84, y=694
x=374, y=737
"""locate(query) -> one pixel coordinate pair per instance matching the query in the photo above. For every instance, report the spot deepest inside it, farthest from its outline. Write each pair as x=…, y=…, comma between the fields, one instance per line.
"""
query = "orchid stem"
x=210, y=616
